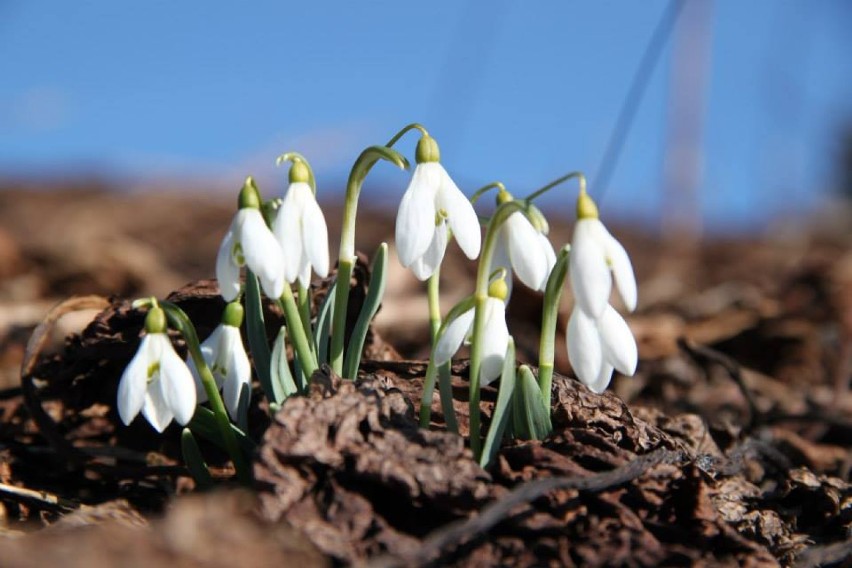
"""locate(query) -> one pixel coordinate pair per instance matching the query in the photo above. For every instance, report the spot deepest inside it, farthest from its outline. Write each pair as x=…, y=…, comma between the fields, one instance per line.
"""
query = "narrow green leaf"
x=502, y=410
x=282, y=380
x=378, y=281
x=530, y=416
x=203, y=423
x=243, y=406
x=322, y=333
x=195, y=461
x=256, y=332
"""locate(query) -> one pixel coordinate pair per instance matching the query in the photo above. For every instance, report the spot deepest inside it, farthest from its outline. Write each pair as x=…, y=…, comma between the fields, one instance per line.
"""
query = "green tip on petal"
x=427, y=150
x=586, y=208
x=249, y=195
x=498, y=289
x=299, y=172
x=233, y=314
x=155, y=321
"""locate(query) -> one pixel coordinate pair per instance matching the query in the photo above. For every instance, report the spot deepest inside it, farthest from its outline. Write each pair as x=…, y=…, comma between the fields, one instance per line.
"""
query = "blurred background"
x=127, y=129
x=724, y=112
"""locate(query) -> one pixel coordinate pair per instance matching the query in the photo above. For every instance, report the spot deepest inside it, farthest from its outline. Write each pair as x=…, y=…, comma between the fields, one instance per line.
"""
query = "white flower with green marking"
x=431, y=207
x=301, y=230
x=250, y=243
x=157, y=382
x=524, y=249
x=596, y=347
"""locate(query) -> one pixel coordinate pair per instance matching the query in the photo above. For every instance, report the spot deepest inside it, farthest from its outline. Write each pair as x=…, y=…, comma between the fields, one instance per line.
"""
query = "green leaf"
x=378, y=281
x=195, y=461
x=243, y=406
x=530, y=416
x=203, y=423
x=502, y=410
x=282, y=380
x=322, y=333
x=256, y=332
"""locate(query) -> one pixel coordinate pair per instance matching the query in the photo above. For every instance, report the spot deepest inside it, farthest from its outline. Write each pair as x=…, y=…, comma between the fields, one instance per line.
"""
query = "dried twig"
x=41, y=499
x=444, y=540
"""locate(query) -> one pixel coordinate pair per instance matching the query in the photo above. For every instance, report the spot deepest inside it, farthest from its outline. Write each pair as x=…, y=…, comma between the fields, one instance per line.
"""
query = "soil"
x=730, y=446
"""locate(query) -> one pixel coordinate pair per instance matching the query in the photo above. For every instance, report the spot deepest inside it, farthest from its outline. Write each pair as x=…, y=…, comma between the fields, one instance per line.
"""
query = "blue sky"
x=515, y=91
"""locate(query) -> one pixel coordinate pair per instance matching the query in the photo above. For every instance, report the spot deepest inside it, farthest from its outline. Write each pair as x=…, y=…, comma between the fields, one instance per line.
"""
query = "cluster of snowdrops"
x=280, y=242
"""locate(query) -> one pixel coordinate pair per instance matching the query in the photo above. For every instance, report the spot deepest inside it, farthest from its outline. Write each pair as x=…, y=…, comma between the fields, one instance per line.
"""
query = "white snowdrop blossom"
x=597, y=346
x=224, y=353
x=301, y=230
x=157, y=382
x=495, y=337
x=525, y=250
x=249, y=242
x=431, y=206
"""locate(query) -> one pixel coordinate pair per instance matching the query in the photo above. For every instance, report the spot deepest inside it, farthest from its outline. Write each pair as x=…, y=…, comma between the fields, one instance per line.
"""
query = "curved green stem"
x=181, y=322
x=360, y=169
x=579, y=175
x=486, y=188
x=445, y=383
x=550, y=313
x=304, y=299
x=307, y=360
x=401, y=133
x=297, y=157
x=483, y=274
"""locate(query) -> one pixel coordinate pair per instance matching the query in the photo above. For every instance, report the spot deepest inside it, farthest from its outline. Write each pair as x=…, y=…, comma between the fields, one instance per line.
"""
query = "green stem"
x=480, y=297
x=346, y=262
x=297, y=157
x=401, y=133
x=550, y=313
x=181, y=322
x=307, y=361
x=485, y=188
x=444, y=371
x=305, y=313
x=579, y=175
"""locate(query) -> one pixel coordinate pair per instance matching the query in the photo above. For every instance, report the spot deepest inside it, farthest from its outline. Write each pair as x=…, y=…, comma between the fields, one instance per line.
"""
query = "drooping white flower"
x=301, y=229
x=431, y=206
x=494, y=340
x=525, y=250
x=157, y=381
x=597, y=346
x=224, y=353
x=594, y=253
x=249, y=242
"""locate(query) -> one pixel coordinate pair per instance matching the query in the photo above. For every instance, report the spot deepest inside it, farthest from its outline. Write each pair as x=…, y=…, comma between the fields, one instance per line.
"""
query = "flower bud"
x=249, y=195
x=233, y=314
x=427, y=150
x=299, y=172
x=155, y=321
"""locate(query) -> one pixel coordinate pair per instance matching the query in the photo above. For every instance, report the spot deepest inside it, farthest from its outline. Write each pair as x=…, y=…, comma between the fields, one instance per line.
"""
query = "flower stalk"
x=549, y=316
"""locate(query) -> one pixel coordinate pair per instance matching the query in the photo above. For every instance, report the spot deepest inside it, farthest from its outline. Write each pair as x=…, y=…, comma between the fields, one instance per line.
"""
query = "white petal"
x=528, y=258
x=155, y=410
x=289, y=236
x=500, y=259
x=622, y=269
x=200, y=391
x=456, y=332
x=584, y=346
x=304, y=276
x=602, y=380
x=315, y=236
x=415, y=221
x=494, y=340
x=549, y=256
x=590, y=277
x=134, y=380
x=460, y=214
x=239, y=371
x=262, y=252
x=425, y=266
x=619, y=346
x=177, y=386
x=227, y=271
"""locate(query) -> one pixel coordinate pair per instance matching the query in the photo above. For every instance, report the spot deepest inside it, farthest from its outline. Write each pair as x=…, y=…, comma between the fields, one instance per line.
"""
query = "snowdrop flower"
x=431, y=206
x=494, y=340
x=156, y=381
x=249, y=242
x=594, y=253
x=597, y=346
x=301, y=229
x=224, y=353
x=524, y=248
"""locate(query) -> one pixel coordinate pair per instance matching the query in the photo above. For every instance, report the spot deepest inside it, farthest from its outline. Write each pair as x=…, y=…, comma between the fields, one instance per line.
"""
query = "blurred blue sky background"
x=515, y=91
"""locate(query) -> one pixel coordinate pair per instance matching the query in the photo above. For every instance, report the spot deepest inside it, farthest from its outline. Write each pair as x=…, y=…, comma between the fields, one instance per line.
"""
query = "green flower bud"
x=233, y=314
x=586, y=208
x=249, y=195
x=498, y=289
x=427, y=150
x=155, y=321
x=504, y=196
x=299, y=172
